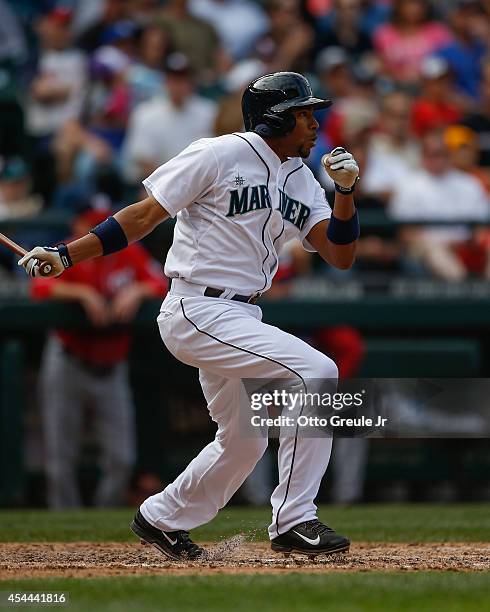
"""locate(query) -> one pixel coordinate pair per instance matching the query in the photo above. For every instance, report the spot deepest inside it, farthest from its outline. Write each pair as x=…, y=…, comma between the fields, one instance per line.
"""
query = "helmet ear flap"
x=262, y=129
x=276, y=125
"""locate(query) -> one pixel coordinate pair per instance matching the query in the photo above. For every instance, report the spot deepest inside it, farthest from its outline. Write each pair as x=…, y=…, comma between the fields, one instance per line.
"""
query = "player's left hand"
x=33, y=260
x=341, y=167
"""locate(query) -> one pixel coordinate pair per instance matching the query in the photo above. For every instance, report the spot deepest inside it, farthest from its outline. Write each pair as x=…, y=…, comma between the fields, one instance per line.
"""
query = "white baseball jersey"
x=236, y=205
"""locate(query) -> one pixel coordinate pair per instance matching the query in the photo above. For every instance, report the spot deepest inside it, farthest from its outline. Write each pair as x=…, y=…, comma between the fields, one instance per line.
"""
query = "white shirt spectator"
x=388, y=164
x=66, y=68
x=239, y=23
x=452, y=196
x=158, y=131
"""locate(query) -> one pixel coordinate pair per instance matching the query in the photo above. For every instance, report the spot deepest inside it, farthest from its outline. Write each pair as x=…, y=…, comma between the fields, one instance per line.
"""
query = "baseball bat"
x=44, y=267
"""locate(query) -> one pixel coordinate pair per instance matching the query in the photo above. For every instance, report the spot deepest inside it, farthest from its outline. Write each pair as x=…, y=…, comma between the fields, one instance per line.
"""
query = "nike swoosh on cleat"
x=172, y=542
x=314, y=542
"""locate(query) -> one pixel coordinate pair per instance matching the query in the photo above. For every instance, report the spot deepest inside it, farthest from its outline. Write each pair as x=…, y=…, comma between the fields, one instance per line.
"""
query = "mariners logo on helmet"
x=267, y=102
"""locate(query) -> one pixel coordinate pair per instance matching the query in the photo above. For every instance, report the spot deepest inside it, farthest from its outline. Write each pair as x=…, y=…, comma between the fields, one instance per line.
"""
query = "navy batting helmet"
x=268, y=100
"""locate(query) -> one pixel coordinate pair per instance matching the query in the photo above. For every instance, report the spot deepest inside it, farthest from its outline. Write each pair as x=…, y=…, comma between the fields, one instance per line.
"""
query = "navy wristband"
x=65, y=256
x=111, y=234
x=343, y=232
x=346, y=190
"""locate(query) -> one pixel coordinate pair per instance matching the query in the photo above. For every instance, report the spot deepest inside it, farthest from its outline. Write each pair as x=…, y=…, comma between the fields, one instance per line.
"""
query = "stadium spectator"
x=392, y=150
x=479, y=121
x=85, y=149
x=438, y=104
x=229, y=116
x=88, y=369
x=145, y=76
x=438, y=192
x=18, y=202
x=108, y=100
x=96, y=34
x=354, y=104
x=56, y=93
x=344, y=28
x=373, y=13
x=123, y=36
x=334, y=71
x=239, y=23
x=465, y=53
x=80, y=157
x=289, y=40
x=16, y=198
x=411, y=36
x=195, y=38
x=145, y=12
x=462, y=144
x=57, y=88
x=482, y=26
x=164, y=126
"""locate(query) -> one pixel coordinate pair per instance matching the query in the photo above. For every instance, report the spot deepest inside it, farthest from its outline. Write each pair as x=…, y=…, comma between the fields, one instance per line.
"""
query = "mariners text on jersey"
x=236, y=204
x=258, y=197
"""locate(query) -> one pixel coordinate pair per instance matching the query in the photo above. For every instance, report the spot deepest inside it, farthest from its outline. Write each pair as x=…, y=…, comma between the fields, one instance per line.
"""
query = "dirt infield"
x=232, y=556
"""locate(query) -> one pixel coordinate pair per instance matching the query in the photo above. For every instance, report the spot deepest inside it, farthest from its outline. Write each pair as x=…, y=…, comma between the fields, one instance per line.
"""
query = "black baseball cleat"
x=310, y=538
x=176, y=545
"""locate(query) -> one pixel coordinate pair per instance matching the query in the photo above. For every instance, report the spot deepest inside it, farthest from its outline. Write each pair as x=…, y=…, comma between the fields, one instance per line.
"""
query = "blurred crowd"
x=95, y=94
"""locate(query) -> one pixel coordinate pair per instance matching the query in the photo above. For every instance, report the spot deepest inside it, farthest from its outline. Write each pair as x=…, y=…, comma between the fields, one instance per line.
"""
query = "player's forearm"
x=140, y=219
x=84, y=248
x=343, y=206
x=342, y=256
x=136, y=221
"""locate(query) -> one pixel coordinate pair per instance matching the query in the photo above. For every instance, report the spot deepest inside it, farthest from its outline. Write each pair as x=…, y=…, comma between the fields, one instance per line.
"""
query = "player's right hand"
x=32, y=261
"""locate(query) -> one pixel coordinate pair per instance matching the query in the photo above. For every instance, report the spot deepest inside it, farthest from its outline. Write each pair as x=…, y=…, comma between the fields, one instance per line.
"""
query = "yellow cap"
x=457, y=136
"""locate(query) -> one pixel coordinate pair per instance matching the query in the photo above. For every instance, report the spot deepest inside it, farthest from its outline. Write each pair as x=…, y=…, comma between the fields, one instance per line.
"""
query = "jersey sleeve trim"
x=314, y=220
x=159, y=197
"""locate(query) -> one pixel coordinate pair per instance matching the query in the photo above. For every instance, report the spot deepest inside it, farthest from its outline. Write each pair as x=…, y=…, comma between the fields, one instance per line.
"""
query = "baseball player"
x=237, y=199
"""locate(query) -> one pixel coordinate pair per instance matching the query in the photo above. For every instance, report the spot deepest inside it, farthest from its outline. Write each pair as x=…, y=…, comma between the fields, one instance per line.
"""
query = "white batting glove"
x=32, y=261
x=342, y=168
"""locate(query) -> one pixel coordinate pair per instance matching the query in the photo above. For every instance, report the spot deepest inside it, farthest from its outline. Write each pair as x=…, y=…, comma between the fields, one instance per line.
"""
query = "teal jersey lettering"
x=253, y=198
x=293, y=210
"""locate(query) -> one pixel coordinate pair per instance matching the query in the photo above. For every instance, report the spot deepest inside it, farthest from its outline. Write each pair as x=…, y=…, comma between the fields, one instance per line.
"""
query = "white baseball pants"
x=228, y=342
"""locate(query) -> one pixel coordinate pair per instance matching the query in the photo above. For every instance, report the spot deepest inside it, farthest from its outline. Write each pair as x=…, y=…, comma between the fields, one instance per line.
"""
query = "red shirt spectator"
x=110, y=289
x=428, y=115
x=438, y=105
